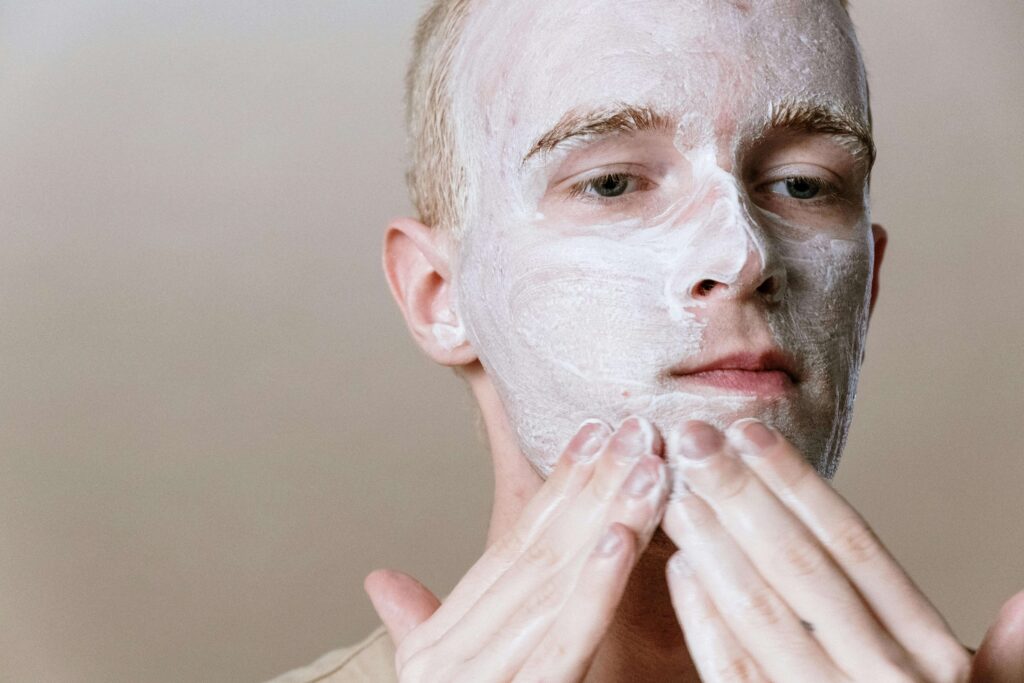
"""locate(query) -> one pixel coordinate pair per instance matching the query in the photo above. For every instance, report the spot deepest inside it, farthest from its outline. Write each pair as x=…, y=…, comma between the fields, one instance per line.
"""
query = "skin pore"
x=594, y=272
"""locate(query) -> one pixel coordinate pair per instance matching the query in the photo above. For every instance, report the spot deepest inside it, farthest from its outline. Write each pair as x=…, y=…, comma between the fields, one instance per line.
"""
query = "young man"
x=645, y=233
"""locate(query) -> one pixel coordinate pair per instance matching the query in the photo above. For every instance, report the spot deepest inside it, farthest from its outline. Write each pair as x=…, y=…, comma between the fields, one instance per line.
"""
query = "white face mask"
x=578, y=277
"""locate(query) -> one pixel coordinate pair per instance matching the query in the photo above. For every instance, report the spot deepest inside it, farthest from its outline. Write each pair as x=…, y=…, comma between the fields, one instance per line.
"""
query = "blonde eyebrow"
x=815, y=118
x=808, y=117
x=599, y=123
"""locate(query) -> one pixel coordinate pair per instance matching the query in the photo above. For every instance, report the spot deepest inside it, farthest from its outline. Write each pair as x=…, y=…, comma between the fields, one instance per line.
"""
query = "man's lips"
x=765, y=372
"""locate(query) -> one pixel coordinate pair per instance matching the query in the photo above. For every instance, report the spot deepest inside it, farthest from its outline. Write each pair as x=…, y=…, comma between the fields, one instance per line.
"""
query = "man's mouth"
x=767, y=372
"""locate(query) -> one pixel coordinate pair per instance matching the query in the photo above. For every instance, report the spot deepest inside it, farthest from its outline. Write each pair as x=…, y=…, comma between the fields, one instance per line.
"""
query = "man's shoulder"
x=371, y=660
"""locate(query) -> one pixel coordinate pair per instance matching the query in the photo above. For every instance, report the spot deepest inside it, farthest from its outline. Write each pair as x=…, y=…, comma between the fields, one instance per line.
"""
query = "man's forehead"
x=527, y=65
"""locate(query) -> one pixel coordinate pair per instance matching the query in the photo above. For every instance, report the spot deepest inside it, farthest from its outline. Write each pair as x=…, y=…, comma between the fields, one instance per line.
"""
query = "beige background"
x=212, y=422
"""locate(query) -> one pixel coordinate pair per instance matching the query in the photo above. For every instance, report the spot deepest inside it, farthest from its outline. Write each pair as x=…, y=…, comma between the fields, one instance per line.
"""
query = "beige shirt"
x=372, y=660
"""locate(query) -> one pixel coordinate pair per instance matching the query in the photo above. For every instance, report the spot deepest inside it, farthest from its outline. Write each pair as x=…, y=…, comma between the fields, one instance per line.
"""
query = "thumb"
x=401, y=602
x=1000, y=658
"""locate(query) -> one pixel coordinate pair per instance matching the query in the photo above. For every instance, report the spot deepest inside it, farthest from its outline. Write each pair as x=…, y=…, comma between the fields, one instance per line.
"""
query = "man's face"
x=643, y=207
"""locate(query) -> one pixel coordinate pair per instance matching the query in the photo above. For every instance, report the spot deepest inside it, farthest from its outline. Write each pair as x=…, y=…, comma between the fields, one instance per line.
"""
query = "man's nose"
x=758, y=278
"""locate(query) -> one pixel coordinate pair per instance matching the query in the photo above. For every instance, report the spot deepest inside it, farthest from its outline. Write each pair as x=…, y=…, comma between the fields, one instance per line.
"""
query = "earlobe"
x=881, y=239
x=417, y=267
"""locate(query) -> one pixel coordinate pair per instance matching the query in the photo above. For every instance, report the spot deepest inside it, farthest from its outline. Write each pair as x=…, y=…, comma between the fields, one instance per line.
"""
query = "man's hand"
x=1000, y=658
x=537, y=603
x=778, y=578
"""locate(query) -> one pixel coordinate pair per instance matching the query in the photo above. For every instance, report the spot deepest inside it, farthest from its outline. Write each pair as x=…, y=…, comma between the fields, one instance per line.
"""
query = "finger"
x=532, y=649
x=716, y=653
x=401, y=602
x=786, y=554
x=762, y=622
x=1000, y=658
x=548, y=570
x=572, y=472
x=883, y=585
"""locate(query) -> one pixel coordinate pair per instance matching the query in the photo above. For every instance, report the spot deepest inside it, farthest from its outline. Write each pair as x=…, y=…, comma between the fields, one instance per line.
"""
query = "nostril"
x=768, y=286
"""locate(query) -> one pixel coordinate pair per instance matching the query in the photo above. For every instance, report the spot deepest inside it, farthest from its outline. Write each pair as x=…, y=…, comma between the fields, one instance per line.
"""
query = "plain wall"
x=213, y=423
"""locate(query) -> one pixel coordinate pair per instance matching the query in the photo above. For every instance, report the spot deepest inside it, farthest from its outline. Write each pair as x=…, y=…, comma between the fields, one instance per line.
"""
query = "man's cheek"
x=607, y=326
x=582, y=340
x=823, y=321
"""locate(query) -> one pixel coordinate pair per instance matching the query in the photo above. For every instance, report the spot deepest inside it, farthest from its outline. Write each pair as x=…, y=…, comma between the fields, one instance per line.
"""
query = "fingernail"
x=697, y=442
x=642, y=479
x=588, y=440
x=632, y=439
x=609, y=543
x=761, y=436
x=754, y=435
x=678, y=564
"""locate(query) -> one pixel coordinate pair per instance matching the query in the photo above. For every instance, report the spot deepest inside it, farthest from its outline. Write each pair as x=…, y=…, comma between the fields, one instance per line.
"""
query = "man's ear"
x=417, y=266
x=881, y=238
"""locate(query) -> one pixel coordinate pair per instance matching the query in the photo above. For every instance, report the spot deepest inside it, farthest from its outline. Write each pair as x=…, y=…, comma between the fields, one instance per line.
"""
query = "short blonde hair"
x=436, y=175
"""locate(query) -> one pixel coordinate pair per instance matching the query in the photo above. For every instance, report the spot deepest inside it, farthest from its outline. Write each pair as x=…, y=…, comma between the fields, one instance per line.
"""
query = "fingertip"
x=1000, y=656
x=377, y=585
x=752, y=437
x=588, y=440
x=1008, y=630
x=401, y=602
x=692, y=441
x=1013, y=609
x=379, y=581
x=371, y=580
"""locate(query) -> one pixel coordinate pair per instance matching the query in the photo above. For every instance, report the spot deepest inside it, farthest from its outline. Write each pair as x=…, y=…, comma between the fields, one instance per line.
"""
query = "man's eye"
x=800, y=187
x=607, y=186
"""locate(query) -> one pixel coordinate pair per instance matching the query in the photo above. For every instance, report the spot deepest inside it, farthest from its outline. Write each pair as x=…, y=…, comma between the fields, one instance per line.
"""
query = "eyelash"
x=579, y=190
x=827, y=192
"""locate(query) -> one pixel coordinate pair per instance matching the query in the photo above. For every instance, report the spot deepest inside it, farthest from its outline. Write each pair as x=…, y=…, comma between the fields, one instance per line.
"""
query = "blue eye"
x=799, y=187
x=608, y=186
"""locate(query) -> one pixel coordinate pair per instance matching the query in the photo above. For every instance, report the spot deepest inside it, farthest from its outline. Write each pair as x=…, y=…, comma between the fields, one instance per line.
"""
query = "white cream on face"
x=579, y=309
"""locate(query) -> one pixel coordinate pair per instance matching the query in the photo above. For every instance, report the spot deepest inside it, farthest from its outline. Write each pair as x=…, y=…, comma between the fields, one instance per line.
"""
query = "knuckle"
x=737, y=670
x=558, y=650
x=701, y=612
x=760, y=608
x=551, y=651
x=509, y=545
x=855, y=542
x=801, y=557
x=541, y=555
x=548, y=595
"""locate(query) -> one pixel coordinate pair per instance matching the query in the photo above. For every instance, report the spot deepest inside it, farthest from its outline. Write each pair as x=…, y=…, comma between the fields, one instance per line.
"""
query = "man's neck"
x=644, y=642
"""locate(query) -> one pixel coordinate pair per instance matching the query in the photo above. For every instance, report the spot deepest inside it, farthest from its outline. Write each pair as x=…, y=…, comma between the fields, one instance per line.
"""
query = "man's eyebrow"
x=599, y=122
x=795, y=115
x=816, y=118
